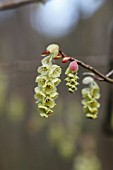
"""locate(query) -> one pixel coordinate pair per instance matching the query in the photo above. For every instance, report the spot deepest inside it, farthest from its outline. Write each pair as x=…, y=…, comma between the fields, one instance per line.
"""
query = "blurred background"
x=67, y=140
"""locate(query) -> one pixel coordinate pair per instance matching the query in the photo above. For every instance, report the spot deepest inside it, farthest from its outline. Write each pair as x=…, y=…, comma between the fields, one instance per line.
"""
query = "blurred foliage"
x=66, y=128
x=87, y=158
x=16, y=108
x=112, y=121
x=3, y=89
x=87, y=161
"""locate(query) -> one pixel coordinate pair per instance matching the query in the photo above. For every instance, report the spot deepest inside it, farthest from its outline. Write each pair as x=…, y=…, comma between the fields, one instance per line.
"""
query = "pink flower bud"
x=73, y=66
x=65, y=59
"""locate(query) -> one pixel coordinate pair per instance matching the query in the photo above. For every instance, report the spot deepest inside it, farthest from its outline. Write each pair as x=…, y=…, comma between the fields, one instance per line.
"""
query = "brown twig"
x=11, y=4
x=97, y=75
x=109, y=74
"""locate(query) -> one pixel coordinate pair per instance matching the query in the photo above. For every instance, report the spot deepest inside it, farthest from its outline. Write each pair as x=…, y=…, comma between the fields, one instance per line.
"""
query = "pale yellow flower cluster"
x=90, y=95
x=72, y=80
x=48, y=79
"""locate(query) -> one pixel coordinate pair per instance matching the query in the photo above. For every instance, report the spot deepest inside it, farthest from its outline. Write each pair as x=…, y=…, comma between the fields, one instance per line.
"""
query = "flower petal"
x=55, y=71
x=47, y=60
x=54, y=95
x=49, y=88
x=53, y=49
x=49, y=102
x=87, y=80
x=41, y=80
x=40, y=95
x=56, y=81
x=43, y=70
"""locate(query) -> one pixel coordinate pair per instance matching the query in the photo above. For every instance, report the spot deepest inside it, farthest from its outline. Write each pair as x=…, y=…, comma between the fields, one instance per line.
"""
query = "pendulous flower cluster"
x=48, y=79
x=90, y=96
x=71, y=79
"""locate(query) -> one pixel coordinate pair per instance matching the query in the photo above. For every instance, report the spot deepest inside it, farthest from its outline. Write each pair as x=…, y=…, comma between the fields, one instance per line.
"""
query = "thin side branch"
x=109, y=74
x=15, y=4
x=101, y=77
x=97, y=75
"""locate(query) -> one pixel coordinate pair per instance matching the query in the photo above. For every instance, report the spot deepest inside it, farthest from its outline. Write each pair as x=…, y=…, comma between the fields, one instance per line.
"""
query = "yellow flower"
x=90, y=95
x=49, y=102
x=39, y=95
x=49, y=88
x=41, y=80
x=43, y=70
x=53, y=49
x=55, y=71
x=54, y=95
x=56, y=81
x=71, y=80
x=46, y=92
x=45, y=111
x=47, y=61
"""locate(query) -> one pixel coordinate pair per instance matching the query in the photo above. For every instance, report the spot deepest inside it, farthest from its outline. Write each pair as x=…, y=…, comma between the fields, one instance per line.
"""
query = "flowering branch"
x=15, y=4
x=96, y=74
x=49, y=78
